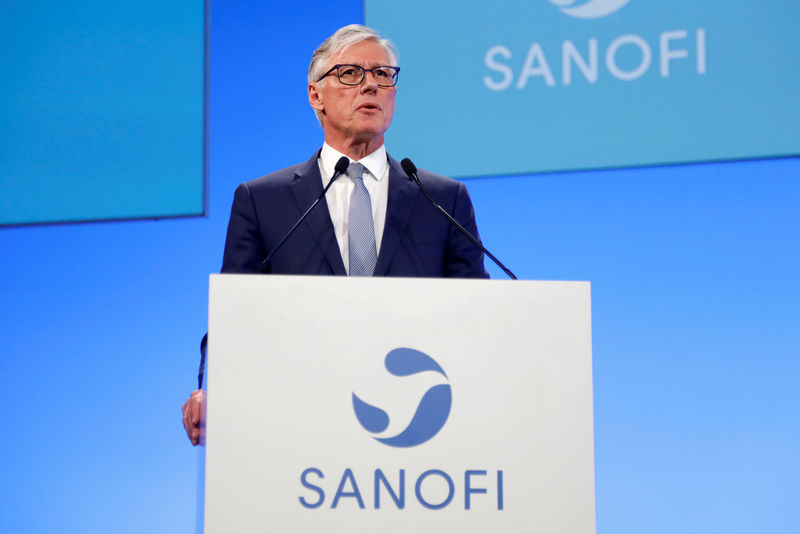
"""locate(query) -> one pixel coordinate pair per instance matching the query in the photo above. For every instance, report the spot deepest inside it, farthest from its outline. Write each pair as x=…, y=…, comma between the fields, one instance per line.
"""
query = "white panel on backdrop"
x=397, y=405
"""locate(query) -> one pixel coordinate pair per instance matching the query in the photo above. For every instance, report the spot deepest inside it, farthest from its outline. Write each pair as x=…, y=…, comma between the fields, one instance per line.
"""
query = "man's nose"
x=368, y=84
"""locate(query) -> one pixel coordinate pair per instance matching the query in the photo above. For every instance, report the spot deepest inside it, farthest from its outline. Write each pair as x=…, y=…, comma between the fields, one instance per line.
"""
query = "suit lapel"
x=306, y=187
x=403, y=194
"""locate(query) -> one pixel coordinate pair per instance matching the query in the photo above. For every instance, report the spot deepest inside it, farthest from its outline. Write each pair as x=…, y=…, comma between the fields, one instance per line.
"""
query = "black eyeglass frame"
x=364, y=72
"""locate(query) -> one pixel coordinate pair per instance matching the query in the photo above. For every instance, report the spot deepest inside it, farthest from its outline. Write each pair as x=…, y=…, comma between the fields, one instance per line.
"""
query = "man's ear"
x=315, y=98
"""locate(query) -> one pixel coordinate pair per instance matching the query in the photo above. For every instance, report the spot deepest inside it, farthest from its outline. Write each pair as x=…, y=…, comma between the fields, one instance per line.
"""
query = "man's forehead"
x=365, y=53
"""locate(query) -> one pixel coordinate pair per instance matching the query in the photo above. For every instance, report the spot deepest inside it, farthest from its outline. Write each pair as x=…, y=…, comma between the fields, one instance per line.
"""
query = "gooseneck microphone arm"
x=411, y=171
x=339, y=169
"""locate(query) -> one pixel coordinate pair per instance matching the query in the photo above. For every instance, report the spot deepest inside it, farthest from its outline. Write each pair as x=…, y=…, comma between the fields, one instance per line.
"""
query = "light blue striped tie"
x=360, y=228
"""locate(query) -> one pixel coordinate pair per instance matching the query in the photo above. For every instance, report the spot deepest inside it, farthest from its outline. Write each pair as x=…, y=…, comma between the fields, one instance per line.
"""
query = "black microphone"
x=411, y=171
x=339, y=169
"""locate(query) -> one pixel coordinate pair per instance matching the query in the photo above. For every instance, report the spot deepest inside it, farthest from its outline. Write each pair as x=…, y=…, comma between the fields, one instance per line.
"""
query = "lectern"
x=381, y=405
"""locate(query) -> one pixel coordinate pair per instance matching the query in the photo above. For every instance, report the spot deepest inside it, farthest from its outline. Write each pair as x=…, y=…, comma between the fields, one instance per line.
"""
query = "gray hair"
x=340, y=41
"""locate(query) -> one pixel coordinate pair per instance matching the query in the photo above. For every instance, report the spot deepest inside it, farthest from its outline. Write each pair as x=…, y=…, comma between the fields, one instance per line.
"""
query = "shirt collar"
x=376, y=163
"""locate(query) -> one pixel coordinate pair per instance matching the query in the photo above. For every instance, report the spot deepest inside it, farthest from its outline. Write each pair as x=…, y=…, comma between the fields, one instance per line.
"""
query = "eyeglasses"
x=384, y=76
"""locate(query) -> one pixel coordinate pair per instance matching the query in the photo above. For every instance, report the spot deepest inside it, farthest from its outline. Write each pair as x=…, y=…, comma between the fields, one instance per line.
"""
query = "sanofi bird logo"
x=431, y=413
x=589, y=9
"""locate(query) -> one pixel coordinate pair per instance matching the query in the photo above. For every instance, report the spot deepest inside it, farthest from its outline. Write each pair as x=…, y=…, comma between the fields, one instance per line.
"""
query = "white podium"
x=372, y=405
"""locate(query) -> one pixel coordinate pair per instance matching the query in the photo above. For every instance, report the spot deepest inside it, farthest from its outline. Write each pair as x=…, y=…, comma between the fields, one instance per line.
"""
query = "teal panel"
x=102, y=110
x=518, y=86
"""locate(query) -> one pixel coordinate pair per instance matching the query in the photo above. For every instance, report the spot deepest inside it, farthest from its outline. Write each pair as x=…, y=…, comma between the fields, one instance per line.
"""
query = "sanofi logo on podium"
x=589, y=9
x=431, y=413
x=433, y=488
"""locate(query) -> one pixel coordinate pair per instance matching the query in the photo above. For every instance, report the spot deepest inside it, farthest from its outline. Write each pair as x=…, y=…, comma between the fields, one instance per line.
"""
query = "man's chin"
x=373, y=122
x=369, y=131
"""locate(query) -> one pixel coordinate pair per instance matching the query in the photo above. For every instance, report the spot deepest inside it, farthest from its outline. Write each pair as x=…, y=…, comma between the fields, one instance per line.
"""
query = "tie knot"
x=355, y=171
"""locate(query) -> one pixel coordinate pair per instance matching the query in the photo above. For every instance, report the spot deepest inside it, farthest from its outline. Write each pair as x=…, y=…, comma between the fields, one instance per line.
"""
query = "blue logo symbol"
x=433, y=409
x=589, y=9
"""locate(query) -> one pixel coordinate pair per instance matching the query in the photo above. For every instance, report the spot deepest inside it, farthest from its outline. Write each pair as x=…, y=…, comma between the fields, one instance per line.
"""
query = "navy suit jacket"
x=417, y=240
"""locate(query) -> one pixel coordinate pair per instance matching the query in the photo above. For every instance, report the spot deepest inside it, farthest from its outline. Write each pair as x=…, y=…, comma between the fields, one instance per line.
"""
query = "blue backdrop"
x=694, y=288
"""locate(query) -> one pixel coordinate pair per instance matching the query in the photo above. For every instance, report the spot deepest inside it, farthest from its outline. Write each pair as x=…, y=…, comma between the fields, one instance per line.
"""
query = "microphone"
x=411, y=171
x=339, y=169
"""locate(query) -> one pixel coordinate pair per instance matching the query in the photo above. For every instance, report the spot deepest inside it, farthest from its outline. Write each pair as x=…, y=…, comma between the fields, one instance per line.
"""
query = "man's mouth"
x=369, y=106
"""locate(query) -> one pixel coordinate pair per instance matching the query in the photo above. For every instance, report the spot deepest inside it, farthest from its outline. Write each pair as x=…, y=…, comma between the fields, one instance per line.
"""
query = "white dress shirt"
x=376, y=180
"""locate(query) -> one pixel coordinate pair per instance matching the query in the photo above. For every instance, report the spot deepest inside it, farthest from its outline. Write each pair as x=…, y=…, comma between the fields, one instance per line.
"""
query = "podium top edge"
x=369, y=279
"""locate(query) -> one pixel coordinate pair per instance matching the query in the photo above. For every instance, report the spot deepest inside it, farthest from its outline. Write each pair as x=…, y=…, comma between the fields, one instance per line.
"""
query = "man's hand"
x=194, y=417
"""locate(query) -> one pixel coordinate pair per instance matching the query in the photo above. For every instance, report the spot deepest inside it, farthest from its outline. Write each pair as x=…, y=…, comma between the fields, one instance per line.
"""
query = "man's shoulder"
x=430, y=180
x=285, y=176
x=428, y=177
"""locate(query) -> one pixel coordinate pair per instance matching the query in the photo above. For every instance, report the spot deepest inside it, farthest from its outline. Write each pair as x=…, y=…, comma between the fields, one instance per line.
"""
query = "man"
x=373, y=221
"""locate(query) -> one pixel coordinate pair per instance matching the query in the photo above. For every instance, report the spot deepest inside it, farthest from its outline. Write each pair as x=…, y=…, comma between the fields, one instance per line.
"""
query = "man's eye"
x=349, y=71
x=383, y=73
